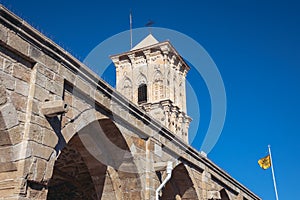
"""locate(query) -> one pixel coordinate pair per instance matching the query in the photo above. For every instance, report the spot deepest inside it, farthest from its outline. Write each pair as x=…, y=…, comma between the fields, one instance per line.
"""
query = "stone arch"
x=224, y=195
x=89, y=167
x=71, y=178
x=158, y=76
x=141, y=79
x=127, y=82
x=79, y=122
x=180, y=186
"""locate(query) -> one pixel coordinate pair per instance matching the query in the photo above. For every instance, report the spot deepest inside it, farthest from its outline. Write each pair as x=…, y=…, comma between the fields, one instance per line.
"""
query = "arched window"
x=142, y=93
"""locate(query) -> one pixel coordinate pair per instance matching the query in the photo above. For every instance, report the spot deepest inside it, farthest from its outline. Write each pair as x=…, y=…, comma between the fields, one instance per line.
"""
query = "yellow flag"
x=265, y=162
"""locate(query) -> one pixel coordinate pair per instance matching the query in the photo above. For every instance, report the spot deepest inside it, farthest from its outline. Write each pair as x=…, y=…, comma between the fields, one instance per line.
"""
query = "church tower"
x=153, y=75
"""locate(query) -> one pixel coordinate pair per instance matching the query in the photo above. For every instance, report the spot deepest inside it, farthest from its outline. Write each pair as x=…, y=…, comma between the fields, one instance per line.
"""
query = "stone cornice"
x=162, y=46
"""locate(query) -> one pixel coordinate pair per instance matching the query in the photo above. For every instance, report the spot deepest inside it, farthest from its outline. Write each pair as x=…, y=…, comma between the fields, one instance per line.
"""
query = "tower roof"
x=147, y=41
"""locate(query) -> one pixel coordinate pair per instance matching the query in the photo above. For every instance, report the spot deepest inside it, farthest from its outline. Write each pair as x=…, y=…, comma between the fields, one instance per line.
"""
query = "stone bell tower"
x=153, y=75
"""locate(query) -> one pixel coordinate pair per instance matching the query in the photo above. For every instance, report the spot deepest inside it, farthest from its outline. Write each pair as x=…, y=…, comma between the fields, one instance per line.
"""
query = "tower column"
x=166, y=107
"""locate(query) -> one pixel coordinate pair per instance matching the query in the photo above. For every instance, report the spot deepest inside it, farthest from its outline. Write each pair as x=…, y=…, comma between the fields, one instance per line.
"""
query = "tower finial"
x=149, y=25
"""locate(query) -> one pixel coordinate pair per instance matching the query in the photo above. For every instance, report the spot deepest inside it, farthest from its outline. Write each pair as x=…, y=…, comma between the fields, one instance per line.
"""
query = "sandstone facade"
x=161, y=72
x=102, y=146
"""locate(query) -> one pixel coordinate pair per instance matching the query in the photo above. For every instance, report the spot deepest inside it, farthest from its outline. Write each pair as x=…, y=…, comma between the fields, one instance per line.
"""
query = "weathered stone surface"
x=28, y=164
x=17, y=43
x=139, y=142
x=67, y=74
x=6, y=154
x=7, y=167
x=58, y=79
x=19, y=101
x=35, y=133
x=53, y=108
x=48, y=73
x=72, y=113
x=3, y=33
x=7, y=80
x=52, y=64
x=8, y=66
x=36, y=54
x=35, y=107
x=40, y=151
x=68, y=98
x=41, y=121
x=4, y=138
x=8, y=117
x=1, y=64
x=41, y=94
x=39, y=172
x=21, y=72
x=82, y=85
x=54, y=87
x=21, y=116
x=49, y=168
x=15, y=134
x=3, y=96
x=22, y=88
x=7, y=187
x=41, y=80
x=50, y=138
x=80, y=105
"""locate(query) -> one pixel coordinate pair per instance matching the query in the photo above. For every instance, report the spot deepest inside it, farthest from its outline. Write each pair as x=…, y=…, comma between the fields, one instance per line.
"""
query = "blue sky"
x=256, y=46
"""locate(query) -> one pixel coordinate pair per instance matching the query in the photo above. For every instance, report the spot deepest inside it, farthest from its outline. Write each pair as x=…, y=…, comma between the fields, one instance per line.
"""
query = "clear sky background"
x=256, y=46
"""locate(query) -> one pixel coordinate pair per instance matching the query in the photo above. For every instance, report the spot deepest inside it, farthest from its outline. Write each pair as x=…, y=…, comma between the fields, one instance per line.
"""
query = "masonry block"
x=7, y=80
x=3, y=33
x=21, y=72
x=8, y=117
x=50, y=138
x=16, y=42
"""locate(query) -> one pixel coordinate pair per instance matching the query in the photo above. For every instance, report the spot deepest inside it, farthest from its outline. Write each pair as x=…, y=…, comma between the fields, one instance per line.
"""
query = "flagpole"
x=273, y=175
x=130, y=21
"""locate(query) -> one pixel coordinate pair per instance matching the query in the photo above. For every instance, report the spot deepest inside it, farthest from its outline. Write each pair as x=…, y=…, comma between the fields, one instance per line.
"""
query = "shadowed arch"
x=224, y=195
x=91, y=165
x=180, y=186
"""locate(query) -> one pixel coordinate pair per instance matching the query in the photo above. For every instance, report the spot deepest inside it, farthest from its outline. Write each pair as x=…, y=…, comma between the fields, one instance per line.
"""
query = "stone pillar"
x=166, y=109
x=180, y=127
x=173, y=123
x=187, y=121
